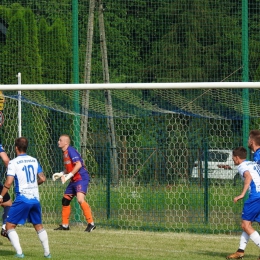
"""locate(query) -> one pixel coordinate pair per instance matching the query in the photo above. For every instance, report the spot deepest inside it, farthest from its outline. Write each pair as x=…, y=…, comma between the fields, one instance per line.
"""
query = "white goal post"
x=114, y=86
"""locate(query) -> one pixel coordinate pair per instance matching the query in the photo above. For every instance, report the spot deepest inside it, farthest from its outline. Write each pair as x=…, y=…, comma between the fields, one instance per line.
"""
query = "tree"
x=34, y=60
x=15, y=52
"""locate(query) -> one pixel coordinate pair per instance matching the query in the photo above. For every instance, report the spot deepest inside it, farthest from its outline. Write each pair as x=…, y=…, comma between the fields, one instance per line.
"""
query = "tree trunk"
x=108, y=99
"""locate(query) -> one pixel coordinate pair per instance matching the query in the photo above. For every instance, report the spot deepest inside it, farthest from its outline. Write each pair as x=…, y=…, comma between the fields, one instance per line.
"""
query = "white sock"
x=13, y=236
x=42, y=234
x=243, y=240
x=255, y=237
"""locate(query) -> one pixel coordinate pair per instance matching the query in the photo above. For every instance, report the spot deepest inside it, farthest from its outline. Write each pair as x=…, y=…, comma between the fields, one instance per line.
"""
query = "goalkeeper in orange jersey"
x=76, y=172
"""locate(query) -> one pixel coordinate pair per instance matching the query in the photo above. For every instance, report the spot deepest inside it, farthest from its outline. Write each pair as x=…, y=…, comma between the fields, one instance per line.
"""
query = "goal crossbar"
x=114, y=86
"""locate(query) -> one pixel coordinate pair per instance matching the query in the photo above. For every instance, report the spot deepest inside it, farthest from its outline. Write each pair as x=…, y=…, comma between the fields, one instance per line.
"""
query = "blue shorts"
x=78, y=186
x=251, y=210
x=20, y=212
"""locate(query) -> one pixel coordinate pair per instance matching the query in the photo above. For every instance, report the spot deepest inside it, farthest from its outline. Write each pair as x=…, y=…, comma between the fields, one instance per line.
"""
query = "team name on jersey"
x=25, y=161
x=250, y=163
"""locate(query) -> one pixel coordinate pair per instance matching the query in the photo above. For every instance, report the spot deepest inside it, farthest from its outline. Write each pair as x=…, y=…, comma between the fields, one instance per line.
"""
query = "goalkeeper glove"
x=57, y=175
x=66, y=177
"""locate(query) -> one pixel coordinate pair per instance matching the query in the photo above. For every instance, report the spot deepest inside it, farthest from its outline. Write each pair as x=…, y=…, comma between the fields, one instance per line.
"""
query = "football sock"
x=243, y=242
x=65, y=214
x=42, y=234
x=6, y=209
x=87, y=212
x=255, y=237
x=13, y=236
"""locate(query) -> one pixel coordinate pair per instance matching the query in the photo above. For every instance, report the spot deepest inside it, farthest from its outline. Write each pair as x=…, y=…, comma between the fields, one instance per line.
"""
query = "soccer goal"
x=139, y=143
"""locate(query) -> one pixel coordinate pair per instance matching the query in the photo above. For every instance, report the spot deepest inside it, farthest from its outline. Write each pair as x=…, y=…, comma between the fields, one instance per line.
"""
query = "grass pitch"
x=111, y=244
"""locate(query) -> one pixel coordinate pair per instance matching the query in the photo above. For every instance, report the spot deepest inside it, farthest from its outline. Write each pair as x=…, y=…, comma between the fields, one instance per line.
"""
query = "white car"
x=220, y=166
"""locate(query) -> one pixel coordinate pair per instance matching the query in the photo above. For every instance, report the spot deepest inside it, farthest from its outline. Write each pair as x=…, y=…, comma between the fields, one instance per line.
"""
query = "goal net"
x=140, y=147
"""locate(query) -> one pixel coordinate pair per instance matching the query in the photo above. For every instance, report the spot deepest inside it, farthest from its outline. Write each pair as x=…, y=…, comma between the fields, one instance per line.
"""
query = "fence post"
x=108, y=181
x=206, y=184
x=245, y=64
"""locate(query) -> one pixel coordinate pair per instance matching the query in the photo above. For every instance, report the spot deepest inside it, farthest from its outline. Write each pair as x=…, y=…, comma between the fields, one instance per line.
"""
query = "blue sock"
x=6, y=209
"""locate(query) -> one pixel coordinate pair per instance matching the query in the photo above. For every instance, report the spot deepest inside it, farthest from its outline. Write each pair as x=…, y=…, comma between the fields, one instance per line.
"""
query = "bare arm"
x=5, y=158
x=8, y=183
x=76, y=168
x=41, y=178
x=247, y=181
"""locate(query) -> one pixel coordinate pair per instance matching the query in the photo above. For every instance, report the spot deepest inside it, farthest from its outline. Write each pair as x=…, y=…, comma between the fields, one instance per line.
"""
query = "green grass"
x=112, y=244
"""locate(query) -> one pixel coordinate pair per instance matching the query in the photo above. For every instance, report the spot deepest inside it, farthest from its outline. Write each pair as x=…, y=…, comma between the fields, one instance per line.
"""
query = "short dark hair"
x=21, y=143
x=240, y=151
x=255, y=135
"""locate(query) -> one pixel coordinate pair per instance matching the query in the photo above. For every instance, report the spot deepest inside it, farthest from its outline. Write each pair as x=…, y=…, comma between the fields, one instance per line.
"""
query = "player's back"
x=254, y=169
x=24, y=169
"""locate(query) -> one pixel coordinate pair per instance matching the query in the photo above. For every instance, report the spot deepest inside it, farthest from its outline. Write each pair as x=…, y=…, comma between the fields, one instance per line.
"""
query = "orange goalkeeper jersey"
x=70, y=157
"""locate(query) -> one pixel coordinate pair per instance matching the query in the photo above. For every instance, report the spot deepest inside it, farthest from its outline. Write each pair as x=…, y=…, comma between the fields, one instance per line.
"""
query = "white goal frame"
x=114, y=86
x=130, y=187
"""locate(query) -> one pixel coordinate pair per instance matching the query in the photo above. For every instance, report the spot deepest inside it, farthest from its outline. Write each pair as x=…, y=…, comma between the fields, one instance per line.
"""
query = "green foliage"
x=54, y=51
x=192, y=52
x=147, y=41
x=15, y=52
x=34, y=59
